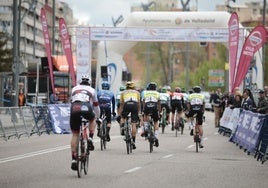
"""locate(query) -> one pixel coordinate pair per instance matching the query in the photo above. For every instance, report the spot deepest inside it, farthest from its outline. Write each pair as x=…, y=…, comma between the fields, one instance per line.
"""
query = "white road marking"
x=190, y=146
x=133, y=169
x=167, y=156
x=31, y=154
x=41, y=152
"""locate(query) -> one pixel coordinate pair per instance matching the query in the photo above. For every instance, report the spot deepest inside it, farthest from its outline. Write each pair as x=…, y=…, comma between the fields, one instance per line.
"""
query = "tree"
x=5, y=54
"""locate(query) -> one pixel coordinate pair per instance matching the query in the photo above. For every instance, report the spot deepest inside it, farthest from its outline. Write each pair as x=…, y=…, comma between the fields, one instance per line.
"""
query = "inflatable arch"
x=203, y=22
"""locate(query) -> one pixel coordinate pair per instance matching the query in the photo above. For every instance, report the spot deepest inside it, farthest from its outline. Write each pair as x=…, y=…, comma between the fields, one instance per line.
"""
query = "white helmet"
x=85, y=79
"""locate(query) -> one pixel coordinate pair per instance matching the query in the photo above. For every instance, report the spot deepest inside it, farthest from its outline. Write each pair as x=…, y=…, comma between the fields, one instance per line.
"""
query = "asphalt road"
x=44, y=161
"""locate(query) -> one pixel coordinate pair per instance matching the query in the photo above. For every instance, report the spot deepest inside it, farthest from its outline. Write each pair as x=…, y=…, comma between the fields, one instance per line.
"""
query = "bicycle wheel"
x=151, y=143
x=127, y=139
x=104, y=133
x=182, y=125
x=86, y=157
x=80, y=147
x=176, y=128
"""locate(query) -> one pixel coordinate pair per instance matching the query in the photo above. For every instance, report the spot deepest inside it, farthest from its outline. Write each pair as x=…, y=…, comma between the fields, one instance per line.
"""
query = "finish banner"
x=253, y=43
x=66, y=44
x=47, y=46
x=233, y=26
x=248, y=130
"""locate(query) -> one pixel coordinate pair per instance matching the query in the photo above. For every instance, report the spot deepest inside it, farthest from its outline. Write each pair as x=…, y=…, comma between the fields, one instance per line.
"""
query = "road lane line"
x=133, y=169
x=167, y=156
x=41, y=152
x=190, y=146
x=31, y=154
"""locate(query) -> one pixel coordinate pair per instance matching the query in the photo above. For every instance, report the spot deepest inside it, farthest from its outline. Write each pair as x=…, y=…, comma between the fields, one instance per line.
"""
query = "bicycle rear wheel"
x=80, y=148
x=151, y=144
x=128, y=140
x=86, y=157
x=104, y=131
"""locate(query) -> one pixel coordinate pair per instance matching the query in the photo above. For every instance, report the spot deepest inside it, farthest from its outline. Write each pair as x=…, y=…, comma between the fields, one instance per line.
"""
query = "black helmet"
x=152, y=86
x=105, y=86
x=197, y=89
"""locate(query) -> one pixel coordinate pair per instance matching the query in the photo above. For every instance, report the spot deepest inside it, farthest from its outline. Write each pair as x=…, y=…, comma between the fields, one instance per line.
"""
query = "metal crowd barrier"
x=26, y=120
x=248, y=130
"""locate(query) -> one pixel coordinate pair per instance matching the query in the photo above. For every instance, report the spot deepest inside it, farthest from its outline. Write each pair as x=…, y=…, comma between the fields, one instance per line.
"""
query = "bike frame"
x=128, y=134
x=82, y=148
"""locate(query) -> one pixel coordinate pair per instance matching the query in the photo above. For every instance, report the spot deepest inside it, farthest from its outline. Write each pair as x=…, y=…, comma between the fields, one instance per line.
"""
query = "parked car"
x=208, y=105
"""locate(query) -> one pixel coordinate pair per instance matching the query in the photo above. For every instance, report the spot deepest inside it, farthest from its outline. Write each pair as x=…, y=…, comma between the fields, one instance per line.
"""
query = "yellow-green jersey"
x=151, y=96
x=196, y=99
x=130, y=95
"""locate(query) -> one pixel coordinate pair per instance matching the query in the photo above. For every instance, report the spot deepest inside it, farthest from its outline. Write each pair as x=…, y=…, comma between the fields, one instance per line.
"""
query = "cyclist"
x=117, y=101
x=151, y=105
x=177, y=104
x=165, y=102
x=107, y=104
x=196, y=106
x=84, y=102
x=130, y=103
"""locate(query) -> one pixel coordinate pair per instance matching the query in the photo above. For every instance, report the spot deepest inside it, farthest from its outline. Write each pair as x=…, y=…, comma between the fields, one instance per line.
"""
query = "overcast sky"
x=100, y=12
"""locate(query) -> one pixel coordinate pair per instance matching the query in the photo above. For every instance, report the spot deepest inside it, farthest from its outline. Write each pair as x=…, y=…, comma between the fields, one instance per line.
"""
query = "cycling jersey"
x=106, y=99
x=130, y=100
x=130, y=95
x=83, y=100
x=177, y=102
x=151, y=99
x=164, y=98
x=197, y=101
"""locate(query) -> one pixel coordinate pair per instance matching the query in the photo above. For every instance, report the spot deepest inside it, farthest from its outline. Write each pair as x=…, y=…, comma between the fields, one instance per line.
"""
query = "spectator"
x=262, y=106
x=237, y=100
x=21, y=98
x=217, y=106
x=248, y=102
x=266, y=90
x=54, y=98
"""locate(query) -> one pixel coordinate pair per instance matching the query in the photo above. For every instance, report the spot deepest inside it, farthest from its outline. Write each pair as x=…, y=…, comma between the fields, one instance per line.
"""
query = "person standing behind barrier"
x=262, y=106
x=107, y=104
x=217, y=106
x=21, y=98
x=54, y=98
x=248, y=102
x=84, y=102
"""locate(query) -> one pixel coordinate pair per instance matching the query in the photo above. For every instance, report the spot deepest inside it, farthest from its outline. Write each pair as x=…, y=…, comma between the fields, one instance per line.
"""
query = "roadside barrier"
x=26, y=120
x=248, y=130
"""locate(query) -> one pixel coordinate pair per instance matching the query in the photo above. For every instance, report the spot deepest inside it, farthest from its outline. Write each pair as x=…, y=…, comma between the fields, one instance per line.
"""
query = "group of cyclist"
x=140, y=105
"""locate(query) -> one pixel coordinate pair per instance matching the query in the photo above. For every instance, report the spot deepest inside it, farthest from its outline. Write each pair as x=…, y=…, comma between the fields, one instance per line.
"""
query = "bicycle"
x=82, y=152
x=179, y=124
x=196, y=135
x=150, y=133
x=163, y=120
x=128, y=135
x=102, y=131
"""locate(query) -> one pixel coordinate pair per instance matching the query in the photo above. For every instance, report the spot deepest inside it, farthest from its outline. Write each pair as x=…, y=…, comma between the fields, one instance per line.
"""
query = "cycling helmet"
x=105, y=86
x=177, y=90
x=163, y=90
x=197, y=89
x=130, y=85
x=85, y=79
x=122, y=88
x=152, y=86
